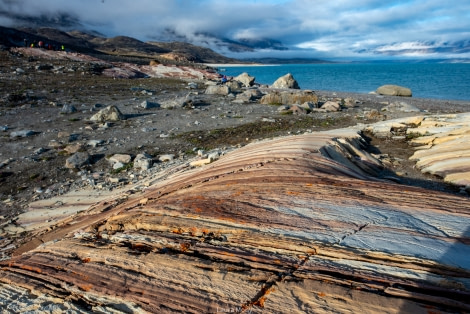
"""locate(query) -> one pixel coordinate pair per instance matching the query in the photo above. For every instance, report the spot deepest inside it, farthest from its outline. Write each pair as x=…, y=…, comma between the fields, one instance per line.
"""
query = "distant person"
x=40, y=44
x=26, y=42
x=32, y=45
x=224, y=79
x=62, y=48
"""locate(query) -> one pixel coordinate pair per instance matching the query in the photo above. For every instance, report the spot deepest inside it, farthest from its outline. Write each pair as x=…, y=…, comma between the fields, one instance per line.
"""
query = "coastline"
x=235, y=65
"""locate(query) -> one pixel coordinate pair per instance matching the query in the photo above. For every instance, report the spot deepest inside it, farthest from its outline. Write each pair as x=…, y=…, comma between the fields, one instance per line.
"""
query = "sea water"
x=450, y=81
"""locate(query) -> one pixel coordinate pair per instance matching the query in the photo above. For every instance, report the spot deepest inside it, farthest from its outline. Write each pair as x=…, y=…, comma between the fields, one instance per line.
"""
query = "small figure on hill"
x=224, y=79
x=62, y=47
x=40, y=44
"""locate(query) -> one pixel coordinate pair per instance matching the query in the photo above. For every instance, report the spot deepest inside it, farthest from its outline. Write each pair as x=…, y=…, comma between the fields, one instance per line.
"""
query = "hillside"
x=120, y=46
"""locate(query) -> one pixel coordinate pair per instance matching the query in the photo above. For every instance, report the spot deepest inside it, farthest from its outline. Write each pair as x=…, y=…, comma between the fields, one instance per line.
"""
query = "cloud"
x=327, y=29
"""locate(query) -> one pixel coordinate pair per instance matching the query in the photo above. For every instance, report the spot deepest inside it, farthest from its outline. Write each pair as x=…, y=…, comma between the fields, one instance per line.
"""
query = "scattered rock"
x=149, y=105
x=400, y=107
x=22, y=133
x=394, y=90
x=95, y=143
x=286, y=81
x=110, y=113
x=77, y=160
x=67, y=109
x=167, y=157
x=73, y=148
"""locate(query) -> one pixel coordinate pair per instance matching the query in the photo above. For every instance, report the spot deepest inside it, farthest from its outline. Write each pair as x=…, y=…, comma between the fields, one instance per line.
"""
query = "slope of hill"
x=120, y=46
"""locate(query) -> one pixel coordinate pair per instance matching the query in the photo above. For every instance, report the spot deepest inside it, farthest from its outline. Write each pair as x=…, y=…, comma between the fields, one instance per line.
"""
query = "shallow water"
x=426, y=80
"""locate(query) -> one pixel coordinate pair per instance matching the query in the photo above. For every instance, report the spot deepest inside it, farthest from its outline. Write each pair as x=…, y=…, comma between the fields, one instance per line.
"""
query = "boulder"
x=331, y=106
x=298, y=109
x=77, y=160
x=249, y=95
x=166, y=157
x=122, y=158
x=143, y=161
x=73, y=148
x=245, y=79
x=67, y=108
x=394, y=90
x=234, y=85
x=218, y=90
x=110, y=113
x=289, y=97
x=286, y=81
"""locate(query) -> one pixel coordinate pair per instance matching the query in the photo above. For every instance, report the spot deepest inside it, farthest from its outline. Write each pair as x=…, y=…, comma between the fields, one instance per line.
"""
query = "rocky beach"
x=205, y=196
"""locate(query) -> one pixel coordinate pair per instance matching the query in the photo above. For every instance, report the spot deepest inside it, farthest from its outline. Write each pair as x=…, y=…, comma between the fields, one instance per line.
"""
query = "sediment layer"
x=295, y=224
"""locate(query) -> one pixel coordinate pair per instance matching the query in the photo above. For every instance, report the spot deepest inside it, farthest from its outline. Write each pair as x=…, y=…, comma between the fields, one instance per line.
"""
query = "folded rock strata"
x=295, y=224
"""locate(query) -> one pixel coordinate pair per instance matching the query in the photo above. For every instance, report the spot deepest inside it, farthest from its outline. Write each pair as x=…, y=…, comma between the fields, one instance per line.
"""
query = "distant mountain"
x=95, y=43
x=422, y=48
x=286, y=61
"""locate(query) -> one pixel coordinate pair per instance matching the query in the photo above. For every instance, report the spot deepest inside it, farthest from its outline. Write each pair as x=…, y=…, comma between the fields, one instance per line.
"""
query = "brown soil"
x=33, y=101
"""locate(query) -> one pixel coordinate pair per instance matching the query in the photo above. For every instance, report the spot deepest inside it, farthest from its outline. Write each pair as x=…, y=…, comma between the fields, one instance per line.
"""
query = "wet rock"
x=245, y=79
x=110, y=113
x=394, y=90
x=223, y=90
x=286, y=81
x=77, y=160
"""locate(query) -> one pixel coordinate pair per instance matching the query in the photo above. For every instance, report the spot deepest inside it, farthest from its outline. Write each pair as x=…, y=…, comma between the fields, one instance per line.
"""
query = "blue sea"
x=449, y=81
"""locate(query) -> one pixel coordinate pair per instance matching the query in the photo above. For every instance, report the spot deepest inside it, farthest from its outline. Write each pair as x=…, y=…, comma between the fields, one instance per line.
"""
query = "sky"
x=326, y=29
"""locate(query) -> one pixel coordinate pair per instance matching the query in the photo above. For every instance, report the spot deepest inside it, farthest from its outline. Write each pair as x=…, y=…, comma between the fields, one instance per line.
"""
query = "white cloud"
x=334, y=27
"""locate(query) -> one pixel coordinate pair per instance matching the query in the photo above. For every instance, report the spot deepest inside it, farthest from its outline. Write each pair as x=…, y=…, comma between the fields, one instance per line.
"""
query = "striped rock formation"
x=441, y=144
x=291, y=225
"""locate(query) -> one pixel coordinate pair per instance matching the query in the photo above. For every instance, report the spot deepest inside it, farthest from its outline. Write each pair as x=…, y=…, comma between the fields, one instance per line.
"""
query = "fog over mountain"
x=367, y=29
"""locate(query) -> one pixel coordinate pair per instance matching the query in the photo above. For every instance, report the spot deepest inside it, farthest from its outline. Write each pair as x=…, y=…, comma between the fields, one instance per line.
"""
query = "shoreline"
x=235, y=65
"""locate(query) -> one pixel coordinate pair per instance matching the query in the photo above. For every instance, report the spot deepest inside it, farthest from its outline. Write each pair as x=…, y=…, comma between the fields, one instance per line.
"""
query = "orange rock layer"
x=297, y=224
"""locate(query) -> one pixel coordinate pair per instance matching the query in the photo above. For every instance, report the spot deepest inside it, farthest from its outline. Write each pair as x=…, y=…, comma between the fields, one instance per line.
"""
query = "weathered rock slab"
x=282, y=225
